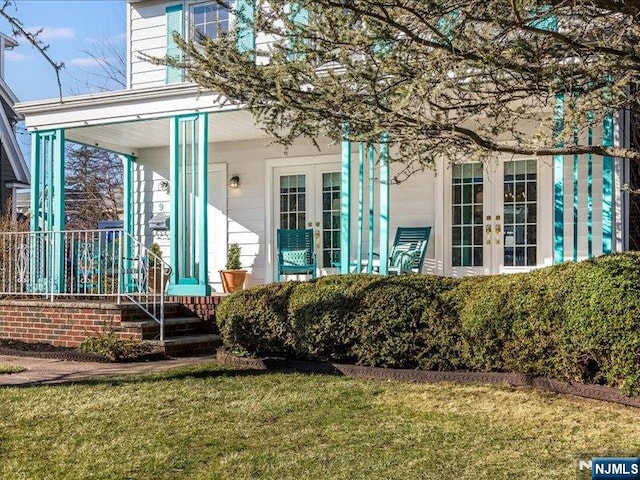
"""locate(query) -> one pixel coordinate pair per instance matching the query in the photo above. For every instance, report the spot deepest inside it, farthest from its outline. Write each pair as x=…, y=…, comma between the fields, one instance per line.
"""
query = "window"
x=209, y=20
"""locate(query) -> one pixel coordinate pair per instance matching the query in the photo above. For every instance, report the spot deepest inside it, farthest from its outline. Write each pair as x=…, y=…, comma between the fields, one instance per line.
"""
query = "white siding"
x=147, y=34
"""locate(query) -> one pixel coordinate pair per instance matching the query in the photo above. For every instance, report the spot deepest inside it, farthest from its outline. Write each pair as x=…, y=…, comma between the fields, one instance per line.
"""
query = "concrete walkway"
x=41, y=371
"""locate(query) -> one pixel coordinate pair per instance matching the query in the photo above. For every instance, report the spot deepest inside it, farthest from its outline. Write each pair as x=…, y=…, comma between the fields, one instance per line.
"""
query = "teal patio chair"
x=409, y=250
x=296, y=253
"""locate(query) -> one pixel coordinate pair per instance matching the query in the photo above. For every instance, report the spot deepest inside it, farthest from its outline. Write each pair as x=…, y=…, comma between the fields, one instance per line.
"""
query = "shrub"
x=403, y=322
x=574, y=321
x=601, y=328
x=322, y=313
x=233, y=257
x=511, y=322
x=114, y=348
x=255, y=321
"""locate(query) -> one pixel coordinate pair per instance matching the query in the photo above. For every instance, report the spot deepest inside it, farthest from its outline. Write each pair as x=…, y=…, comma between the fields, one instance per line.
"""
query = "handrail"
x=84, y=263
x=145, y=276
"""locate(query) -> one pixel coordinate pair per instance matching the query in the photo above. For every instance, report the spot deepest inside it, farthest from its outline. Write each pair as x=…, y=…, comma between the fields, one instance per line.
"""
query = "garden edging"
x=595, y=392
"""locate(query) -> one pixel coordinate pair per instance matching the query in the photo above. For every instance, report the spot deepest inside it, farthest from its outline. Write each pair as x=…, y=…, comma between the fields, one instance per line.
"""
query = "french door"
x=308, y=197
x=492, y=217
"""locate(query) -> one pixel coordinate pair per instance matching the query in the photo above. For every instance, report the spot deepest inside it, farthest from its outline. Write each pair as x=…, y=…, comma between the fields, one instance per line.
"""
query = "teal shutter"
x=246, y=37
x=544, y=19
x=298, y=15
x=174, y=24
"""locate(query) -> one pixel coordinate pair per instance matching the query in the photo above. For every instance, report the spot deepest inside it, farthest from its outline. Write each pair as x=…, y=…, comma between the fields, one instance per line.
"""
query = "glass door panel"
x=330, y=220
x=293, y=202
x=467, y=210
x=520, y=203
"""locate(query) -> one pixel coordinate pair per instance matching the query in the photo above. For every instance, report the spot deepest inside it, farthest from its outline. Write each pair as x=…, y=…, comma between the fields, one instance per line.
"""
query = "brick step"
x=133, y=313
x=173, y=327
x=187, y=345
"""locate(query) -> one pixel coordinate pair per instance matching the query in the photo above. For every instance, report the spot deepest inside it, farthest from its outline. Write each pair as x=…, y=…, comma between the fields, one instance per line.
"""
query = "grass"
x=11, y=369
x=210, y=422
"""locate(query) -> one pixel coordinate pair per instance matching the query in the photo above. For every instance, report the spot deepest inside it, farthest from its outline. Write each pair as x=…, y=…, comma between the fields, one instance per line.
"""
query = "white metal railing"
x=84, y=263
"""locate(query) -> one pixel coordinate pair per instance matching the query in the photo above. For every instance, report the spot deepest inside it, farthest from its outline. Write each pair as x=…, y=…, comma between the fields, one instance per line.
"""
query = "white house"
x=181, y=149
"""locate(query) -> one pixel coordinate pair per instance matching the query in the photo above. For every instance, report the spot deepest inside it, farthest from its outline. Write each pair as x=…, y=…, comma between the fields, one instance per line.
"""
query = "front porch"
x=179, y=154
x=181, y=149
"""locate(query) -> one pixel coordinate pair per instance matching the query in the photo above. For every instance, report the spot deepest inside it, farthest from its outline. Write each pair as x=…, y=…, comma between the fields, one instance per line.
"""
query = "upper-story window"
x=209, y=19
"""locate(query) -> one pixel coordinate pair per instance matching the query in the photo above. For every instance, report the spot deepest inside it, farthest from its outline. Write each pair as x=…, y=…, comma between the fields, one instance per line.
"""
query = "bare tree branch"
x=18, y=30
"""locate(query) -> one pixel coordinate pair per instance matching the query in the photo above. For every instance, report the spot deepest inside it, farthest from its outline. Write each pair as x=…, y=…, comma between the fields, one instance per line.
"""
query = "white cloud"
x=117, y=38
x=11, y=56
x=120, y=37
x=85, y=62
x=52, y=33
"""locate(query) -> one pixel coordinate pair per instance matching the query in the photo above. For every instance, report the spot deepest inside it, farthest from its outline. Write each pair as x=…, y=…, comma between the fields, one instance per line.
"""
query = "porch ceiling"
x=128, y=120
x=131, y=136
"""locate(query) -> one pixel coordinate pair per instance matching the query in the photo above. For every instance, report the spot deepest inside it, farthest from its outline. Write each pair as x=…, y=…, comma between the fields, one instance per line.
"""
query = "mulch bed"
x=17, y=348
x=596, y=392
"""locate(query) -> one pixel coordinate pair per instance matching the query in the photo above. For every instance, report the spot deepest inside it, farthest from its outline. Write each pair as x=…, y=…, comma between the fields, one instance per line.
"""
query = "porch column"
x=558, y=187
x=203, y=189
x=372, y=201
x=189, y=200
x=47, y=181
x=47, y=210
x=361, y=154
x=385, y=210
x=127, y=223
x=607, y=187
x=345, y=204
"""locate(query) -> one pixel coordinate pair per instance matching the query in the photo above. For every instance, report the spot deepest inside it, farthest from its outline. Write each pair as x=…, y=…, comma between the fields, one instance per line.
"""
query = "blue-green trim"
x=372, y=199
x=58, y=209
x=192, y=290
x=345, y=203
x=175, y=23
x=193, y=188
x=245, y=32
x=361, y=155
x=575, y=195
x=558, y=186
x=127, y=180
x=607, y=187
x=203, y=190
x=174, y=158
x=180, y=155
x=385, y=207
x=298, y=15
x=590, y=187
x=35, y=180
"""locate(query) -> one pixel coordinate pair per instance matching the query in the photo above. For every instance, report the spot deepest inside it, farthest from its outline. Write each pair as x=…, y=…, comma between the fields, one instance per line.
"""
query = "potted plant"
x=233, y=277
x=155, y=280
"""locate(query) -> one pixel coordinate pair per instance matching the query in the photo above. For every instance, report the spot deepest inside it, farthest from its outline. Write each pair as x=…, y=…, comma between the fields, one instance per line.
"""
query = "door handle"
x=317, y=238
x=487, y=230
x=498, y=231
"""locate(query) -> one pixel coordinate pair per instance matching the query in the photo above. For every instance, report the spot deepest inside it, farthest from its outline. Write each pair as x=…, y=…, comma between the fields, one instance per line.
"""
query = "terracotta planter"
x=232, y=280
x=155, y=280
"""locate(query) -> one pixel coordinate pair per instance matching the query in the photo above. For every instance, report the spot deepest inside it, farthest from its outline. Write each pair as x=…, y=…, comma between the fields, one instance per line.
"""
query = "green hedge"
x=574, y=321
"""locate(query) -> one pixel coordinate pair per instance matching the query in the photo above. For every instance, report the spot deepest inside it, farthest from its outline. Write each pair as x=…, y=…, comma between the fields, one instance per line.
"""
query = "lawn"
x=211, y=422
x=11, y=369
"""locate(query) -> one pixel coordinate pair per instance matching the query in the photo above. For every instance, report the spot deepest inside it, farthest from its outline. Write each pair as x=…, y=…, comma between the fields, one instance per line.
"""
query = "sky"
x=71, y=29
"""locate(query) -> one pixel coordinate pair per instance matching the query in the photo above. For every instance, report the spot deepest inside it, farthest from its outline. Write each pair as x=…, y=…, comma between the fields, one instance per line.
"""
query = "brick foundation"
x=203, y=307
x=60, y=323
x=68, y=323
